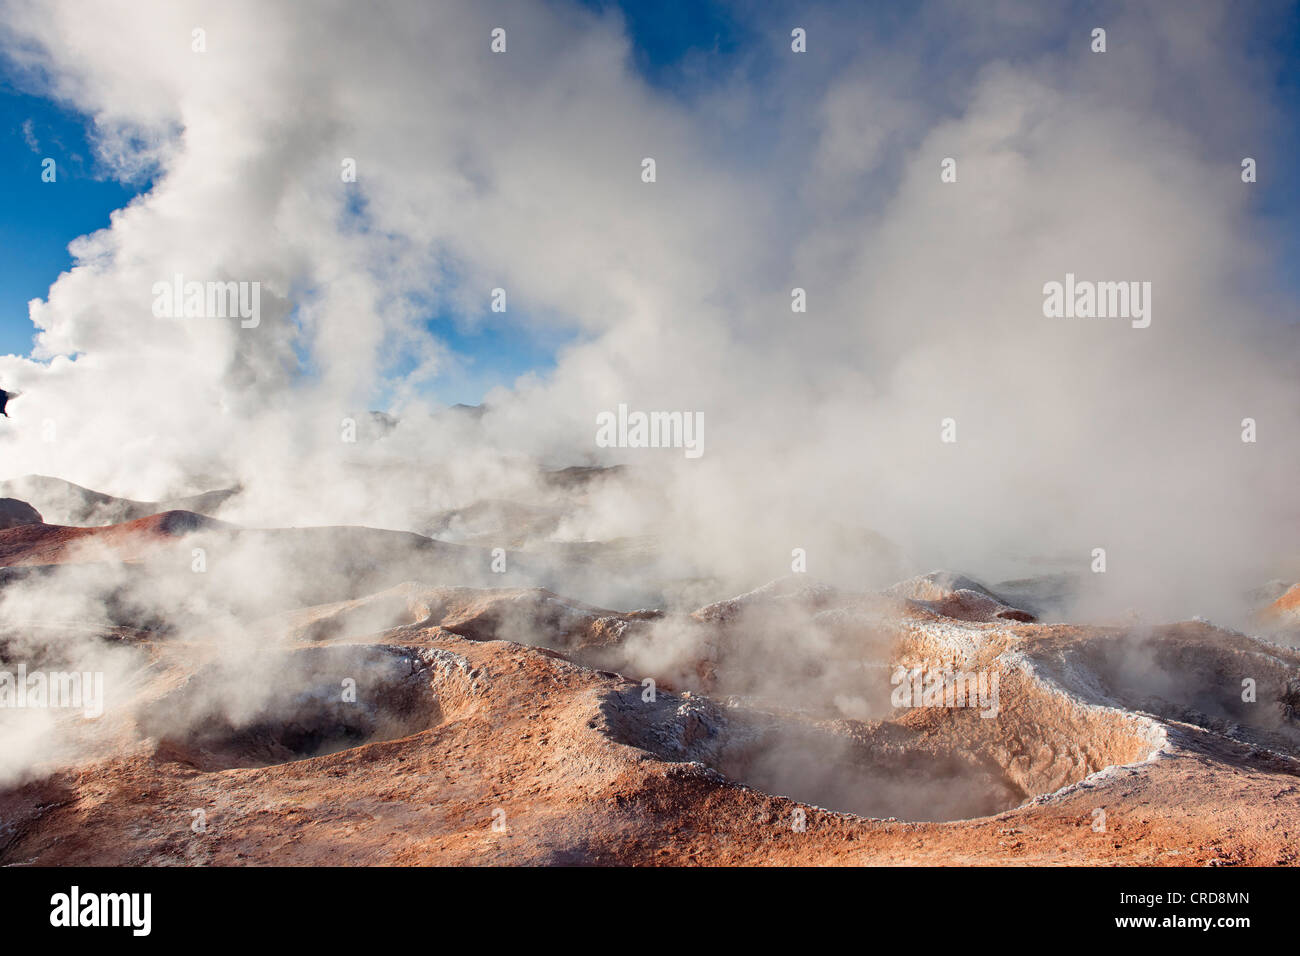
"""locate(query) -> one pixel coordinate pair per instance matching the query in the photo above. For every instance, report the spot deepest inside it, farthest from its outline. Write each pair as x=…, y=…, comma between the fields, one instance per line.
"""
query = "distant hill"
x=63, y=503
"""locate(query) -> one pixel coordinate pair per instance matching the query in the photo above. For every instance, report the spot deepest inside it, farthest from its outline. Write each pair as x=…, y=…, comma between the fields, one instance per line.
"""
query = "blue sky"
x=677, y=46
x=38, y=219
x=675, y=38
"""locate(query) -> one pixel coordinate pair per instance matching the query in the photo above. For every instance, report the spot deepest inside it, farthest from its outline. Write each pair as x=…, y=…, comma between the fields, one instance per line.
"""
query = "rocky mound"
x=955, y=595
x=15, y=514
x=525, y=615
x=64, y=503
x=44, y=544
x=319, y=695
x=487, y=751
x=1288, y=604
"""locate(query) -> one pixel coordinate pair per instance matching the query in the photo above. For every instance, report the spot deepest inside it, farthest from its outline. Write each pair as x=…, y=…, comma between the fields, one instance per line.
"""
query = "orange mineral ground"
x=424, y=724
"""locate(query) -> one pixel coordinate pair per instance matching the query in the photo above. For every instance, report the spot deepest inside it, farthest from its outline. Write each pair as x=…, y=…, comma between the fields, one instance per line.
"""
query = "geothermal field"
x=284, y=695
x=614, y=433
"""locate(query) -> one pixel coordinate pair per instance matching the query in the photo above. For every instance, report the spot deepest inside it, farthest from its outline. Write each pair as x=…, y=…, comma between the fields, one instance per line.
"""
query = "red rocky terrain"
x=420, y=723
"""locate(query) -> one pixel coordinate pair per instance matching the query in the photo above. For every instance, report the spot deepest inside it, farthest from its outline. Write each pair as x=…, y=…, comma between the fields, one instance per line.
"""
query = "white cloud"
x=522, y=171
